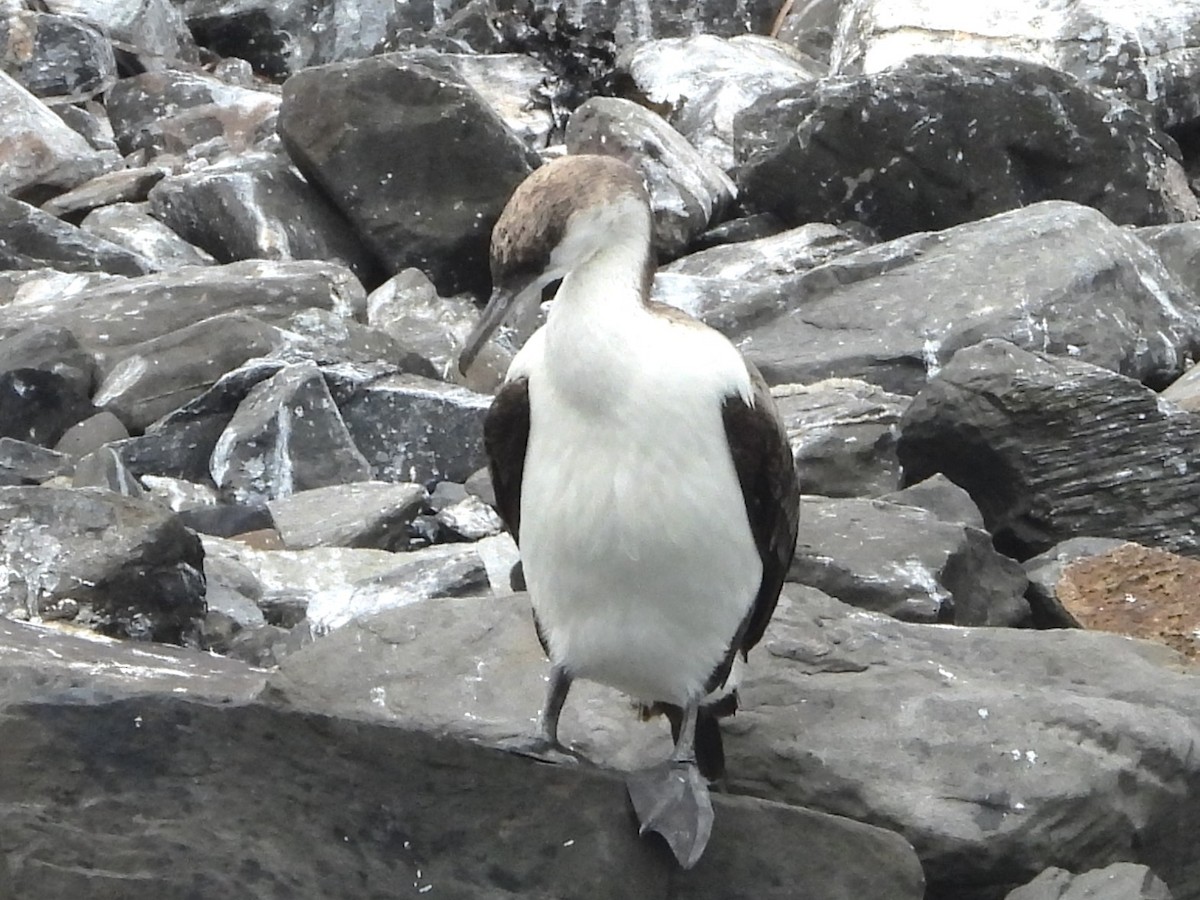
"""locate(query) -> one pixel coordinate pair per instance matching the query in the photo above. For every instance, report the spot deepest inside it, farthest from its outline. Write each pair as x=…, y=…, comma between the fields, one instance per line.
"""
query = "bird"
x=644, y=472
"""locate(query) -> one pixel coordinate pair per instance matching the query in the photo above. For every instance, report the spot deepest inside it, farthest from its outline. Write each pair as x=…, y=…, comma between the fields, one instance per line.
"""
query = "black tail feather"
x=710, y=750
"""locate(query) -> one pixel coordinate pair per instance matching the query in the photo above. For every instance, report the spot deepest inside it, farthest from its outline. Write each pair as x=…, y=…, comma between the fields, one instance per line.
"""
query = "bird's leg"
x=545, y=745
x=672, y=797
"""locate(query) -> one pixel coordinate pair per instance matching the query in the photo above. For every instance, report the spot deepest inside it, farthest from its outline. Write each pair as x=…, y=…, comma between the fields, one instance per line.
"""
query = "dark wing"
x=505, y=437
x=767, y=474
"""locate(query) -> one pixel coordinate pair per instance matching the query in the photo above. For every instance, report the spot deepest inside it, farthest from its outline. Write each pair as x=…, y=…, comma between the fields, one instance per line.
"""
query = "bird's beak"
x=493, y=314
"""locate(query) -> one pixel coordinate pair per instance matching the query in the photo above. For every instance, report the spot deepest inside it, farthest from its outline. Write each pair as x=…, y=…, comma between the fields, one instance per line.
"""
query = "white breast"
x=634, y=536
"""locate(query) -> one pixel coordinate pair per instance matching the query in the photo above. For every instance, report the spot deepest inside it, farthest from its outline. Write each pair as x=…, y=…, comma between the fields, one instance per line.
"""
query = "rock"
x=115, y=315
x=470, y=519
x=1052, y=448
x=39, y=406
x=189, y=114
x=56, y=56
x=686, y=191
x=1054, y=277
x=844, y=711
x=1045, y=571
x=368, y=514
x=331, y=832
x=91, y=434
x=52, y=350
x=127, y=225
x=286, y=436
x=160, y=375
x=257, y=207
x=1135, y=590
x=1009, y=134
x=153, y=30
x=780, y=255
x=104, y=468
x=811, y=26
x=330, y=339
x=89, y=119
x=454, y=570
x=123, y=185
x=843, y=436
x=1178, y=246
x=40, y=156
x=507, y=82
x=233, y=591
x=906, y=562
x=1184, y=391
x=1148, y=57
x=415, y=430
x=1119, y=881
x=130, y=561
x=408, y=308
x=419, y=107
x=25, y=463
x=179, y=495
x=229, y=519
x=943, y=498
x=30, y=238
x=700, y=83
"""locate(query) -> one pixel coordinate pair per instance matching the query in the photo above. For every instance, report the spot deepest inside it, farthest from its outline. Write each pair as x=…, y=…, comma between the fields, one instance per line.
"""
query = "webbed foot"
x=672, y=799
x=543, y=750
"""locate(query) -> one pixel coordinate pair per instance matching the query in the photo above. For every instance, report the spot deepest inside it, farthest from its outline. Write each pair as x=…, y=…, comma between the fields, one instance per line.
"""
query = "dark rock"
x=90, y=120
x=330, y=339
x=414, y=429
x=104, y=468
x=447, y=493
x=261, y=646
x=420, y=109
x=843, y=436
x=56, y=56
x=743, y=228
x=180, y=445
x=1055, y=277
x=700, y=83
x=408, y=308
x=1008, y=134
x=1178, y=246
x=153, y=31
x=329, y=831
x=188, y=113
x=811, y=26
x=130, y=561
x=30, y=238
x=179, y=495
x=779, y=255
x=160, y=375
x=39, y=406
x=91, y=434
x=227, y=519
x=129, y=226
x=42, y=155
x=115, y=315
x=943, y=498
x=1045, y=571
x=1052, y=448
x=367, y=514
x=286, y=436
x=1119, y=881
x=259, y=208
x=123, y=185
x=686, y=191
x=906, y=562
x=25, y=463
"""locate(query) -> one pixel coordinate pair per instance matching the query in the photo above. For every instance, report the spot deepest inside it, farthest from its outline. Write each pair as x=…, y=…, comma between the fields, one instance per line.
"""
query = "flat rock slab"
x=285, y=804
x=366, y=514
x=1120, y=881
x=994, y=751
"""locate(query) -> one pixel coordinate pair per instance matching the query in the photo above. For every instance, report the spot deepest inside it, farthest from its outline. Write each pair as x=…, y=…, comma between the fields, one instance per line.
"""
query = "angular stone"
x=30, y=238
x=700, y=83
x=469, y=519
x=90, y=434
x=508, y=83
x=1119, y=881
x=408, y=308
x=781, y=255
x=1052, y=448
x=631, y=21
x=121, y=186
x=1184, y=391
x=368, y=514
x=943, y=498
x=25, y=463
x=154, y=30
x=843, y=436
x=160, y=375
x=1055, y=277
x=40, y=156
x=90, y=120
x=49, y=349
x=414, y=429
x=420, y=108
x=811, y=26
x=56, y=56
x=257, y=207
x=906, y=562
x=330, y=832
x=686, y=191
x=127, y=225
x=1008, y=134
x=132, y=567
x=115, y=315
x=330, y=339
x=188, y=113
x=104, y=468
x=39, y=406
x=286, y=436
x=1045, y=571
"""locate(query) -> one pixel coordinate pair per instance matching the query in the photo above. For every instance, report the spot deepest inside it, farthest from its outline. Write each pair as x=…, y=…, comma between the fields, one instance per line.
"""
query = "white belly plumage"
x=637, y=550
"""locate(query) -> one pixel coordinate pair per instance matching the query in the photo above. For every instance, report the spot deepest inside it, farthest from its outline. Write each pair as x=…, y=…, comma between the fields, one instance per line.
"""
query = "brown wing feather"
x=505, y=438
x=767, y=473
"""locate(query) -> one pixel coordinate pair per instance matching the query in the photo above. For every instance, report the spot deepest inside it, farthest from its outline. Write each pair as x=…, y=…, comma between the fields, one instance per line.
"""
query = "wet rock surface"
x=253, y=592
